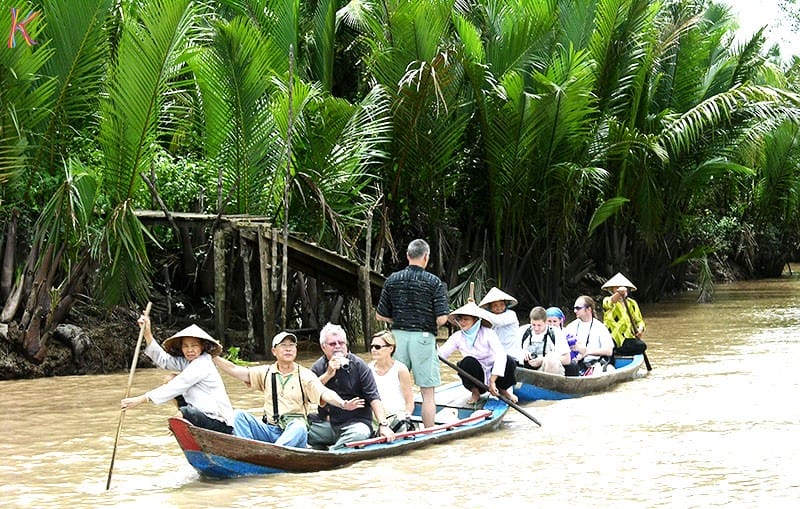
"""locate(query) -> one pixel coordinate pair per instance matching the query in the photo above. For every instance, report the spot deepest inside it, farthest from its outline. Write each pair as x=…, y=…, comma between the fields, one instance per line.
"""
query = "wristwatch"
x=383, y=423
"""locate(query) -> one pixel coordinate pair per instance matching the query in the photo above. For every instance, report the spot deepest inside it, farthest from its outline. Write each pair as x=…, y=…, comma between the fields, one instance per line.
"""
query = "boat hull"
x=533, y=385
x=218, y=455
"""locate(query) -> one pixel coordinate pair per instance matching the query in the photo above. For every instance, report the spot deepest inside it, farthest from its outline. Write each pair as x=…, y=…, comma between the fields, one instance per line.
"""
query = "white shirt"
x=534, y=342
x=198, y=382
x=389, y=388
x=505, y=325
x=593, y=335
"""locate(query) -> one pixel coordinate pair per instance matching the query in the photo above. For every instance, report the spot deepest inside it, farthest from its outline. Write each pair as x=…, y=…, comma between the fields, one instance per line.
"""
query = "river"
x=714, y=424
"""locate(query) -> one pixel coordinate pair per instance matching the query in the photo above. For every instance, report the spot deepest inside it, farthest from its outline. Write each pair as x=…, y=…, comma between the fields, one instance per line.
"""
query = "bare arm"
x=380, y=414
x=330, y=396
x=406, y=388
x=240, y=372
x=382, y=318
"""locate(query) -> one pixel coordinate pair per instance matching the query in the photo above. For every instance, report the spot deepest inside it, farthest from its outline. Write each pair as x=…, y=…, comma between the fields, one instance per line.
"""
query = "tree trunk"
x=9, y=257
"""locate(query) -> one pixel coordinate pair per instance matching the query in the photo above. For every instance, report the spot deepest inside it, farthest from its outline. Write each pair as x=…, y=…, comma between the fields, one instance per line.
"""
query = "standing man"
x=289, y=390
x=622, y=316
x=414, y=302
x=348, y=375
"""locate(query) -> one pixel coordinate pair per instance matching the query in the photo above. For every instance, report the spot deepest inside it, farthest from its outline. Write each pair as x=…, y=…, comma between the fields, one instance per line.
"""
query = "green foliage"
x=232, y=354
x=721, y=233
x=532, y=141
x=183, y=184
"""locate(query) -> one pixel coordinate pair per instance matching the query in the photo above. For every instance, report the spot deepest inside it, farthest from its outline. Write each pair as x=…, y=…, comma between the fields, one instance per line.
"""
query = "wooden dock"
x=253, y=238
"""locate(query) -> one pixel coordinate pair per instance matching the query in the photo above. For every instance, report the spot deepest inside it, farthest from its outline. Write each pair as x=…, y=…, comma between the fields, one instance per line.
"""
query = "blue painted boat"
x=533, y=385
x=217, y=455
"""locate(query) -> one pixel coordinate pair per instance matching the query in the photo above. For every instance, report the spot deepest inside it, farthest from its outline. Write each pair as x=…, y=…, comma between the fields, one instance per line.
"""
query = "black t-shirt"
x=353, y=381
x=413, y=298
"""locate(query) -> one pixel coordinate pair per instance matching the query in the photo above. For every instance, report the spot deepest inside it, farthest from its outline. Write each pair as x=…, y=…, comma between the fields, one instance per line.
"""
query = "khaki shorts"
x=417, y=350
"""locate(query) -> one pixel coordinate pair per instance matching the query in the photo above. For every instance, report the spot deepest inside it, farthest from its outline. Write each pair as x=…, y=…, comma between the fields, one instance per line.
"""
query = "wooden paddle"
x=480, y=415
x=482, y=386
x=127, y=392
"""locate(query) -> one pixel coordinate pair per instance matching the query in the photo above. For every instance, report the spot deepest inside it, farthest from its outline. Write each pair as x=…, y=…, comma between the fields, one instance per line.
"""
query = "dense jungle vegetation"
x=538, y=145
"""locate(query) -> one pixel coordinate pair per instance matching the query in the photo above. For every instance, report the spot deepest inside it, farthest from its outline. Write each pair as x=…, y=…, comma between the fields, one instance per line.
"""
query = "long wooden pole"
x=482, y=386
x=286, y=188
x=127, y=393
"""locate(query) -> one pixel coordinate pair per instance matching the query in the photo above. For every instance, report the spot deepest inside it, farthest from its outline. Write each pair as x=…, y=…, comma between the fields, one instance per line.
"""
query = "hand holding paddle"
x=482, y=386
x=128, y=390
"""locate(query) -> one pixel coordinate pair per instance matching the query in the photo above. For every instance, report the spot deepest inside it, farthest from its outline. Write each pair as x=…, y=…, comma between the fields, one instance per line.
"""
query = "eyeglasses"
x=336, y=343
x=378, y=347
x=578, y=308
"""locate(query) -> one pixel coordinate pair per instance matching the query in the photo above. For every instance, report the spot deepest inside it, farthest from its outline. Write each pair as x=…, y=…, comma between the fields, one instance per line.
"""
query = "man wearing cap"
x=621, y=313
x=289, y=390
x=414, y=302
x=349, y=376
x=189, y=351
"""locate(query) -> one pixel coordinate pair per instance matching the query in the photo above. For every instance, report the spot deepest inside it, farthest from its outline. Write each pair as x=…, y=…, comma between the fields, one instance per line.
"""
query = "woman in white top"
x=189, y=351
x=393, y=380
x=505, y=322
x=593, y=339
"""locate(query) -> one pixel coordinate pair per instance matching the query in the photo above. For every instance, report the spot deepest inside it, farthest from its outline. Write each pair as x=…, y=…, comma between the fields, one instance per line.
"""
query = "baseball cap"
x=279, y=337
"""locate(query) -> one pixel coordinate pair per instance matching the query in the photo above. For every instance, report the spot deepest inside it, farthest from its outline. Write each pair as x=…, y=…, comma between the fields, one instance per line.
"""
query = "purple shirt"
x=487, y=350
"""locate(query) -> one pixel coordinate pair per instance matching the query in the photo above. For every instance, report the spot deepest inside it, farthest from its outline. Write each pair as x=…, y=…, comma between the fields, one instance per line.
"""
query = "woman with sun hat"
x=189, y=351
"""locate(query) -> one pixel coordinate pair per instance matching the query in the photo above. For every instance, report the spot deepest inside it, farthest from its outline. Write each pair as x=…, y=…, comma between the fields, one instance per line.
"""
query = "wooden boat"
x=218, y=455
x=533, y=385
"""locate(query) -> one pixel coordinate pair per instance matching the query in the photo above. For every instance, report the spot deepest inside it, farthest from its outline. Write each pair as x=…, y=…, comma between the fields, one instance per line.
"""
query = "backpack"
x=549, y=334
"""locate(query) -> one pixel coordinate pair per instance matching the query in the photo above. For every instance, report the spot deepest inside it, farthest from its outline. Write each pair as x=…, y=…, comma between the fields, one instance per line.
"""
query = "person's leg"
x=509, y=377
x=321, y=435
x=200, y=419
x=552, y=364
x=294, y=435
x=352, y=433
x=428, y=406
x=506, y=382
x=471, y=366
x=426, y=372
x=246, y=425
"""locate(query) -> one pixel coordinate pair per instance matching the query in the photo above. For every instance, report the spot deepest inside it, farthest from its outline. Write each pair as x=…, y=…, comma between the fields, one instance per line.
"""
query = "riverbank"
x=95, y=341
x=92, y=342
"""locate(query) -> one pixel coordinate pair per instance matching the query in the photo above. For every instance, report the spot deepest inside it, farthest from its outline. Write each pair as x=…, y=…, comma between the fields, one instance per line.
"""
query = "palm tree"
x=151, y=48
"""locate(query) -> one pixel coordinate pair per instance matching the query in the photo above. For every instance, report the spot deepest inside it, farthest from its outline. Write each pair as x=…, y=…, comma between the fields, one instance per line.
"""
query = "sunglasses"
x=378, y=347
x=578, y=308
x=336, y=343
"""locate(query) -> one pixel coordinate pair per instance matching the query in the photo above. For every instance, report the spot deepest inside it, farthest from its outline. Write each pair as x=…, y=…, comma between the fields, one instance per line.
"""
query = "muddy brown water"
x=714, y=424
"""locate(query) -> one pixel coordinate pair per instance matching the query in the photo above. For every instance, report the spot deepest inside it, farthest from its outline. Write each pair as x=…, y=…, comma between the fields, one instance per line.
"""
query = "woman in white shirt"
x=504, y=320
x=393, y=380
x=189, y=351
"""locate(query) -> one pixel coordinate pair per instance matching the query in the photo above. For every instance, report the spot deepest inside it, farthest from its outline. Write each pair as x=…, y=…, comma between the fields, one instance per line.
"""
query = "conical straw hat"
x=472, y=309
x=173, y=343
x=496, y=294
x=617, y=281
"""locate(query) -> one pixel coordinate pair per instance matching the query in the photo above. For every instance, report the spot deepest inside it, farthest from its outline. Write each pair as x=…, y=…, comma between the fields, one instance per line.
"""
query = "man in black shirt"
x=345, y=373
x=414, y=302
